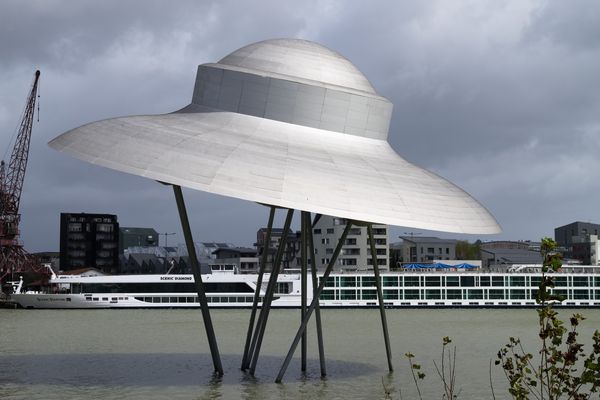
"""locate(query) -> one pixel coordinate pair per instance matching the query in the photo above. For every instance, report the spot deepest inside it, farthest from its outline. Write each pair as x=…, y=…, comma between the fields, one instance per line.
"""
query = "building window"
x=430, y=250
x=447, y=250
x=317, y=231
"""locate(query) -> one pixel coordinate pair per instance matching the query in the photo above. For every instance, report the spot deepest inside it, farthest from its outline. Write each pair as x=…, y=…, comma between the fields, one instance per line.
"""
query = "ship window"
x=283, y=287
x=105, y=299
x=516, y=281
x=580, y=294
x=454, y=294
x=497, y=281
x=156, y=299
x=433, y=294
x=496, y=294
x=148, y=299
x=432, y=281
x=226, y=299
x=348, y=281
x=182, y=300
x=517, y=294
x=88, y=299
x=597, y=294
x=390, y=281
x=597, y=281
x=580, y=281
x=452, y=281
x=411, y=281
x=369, y=294
x=560, y=281
x=467, y=281
x=327, y=295
x=348, y=295
x=389, y=294
x=411, y=294
x=330, y=281
x=368, y=281
x=474, y=294
x=560, y=292
x=164, y=300
x=536, y=281
x=241, y=299
x=484, y=281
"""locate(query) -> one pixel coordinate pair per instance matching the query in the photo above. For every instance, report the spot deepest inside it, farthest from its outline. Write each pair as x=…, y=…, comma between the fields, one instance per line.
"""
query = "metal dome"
x=299, y=60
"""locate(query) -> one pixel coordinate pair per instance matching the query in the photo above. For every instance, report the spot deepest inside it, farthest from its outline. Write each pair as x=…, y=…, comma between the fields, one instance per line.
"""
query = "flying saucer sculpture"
x=289, y=123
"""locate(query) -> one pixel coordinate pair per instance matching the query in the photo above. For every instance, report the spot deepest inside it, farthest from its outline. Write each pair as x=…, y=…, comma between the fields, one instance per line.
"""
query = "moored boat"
x=579, y=285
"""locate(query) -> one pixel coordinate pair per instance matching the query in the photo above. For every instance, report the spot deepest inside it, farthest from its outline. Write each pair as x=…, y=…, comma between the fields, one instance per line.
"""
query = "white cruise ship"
x=580, y=285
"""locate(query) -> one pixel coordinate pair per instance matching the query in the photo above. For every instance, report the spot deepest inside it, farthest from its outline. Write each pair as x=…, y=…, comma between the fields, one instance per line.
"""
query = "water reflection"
x=159, y=369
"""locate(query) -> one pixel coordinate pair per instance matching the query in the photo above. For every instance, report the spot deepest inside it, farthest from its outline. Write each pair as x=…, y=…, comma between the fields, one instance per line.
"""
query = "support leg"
x=313, y=304
x=261, y=271
x=266, y=305
x=313, y=267
x=189, y=241
x=386, y=336
x=303, y=285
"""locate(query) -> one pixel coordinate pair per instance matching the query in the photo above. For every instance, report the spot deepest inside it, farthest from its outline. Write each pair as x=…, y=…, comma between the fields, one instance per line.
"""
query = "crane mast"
x=13, y=258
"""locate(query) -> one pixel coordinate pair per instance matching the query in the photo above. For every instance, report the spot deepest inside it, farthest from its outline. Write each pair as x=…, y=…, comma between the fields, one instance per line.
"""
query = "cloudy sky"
x=500, y=97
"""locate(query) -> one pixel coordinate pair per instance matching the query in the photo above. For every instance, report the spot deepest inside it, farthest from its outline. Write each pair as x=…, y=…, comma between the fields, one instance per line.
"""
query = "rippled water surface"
x=156, y=354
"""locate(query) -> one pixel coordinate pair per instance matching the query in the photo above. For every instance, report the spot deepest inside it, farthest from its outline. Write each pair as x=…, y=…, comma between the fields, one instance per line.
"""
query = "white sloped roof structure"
x=290, y=123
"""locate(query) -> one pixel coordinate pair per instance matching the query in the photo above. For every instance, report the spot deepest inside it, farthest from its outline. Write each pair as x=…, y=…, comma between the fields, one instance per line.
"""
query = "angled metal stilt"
x=266, y=304
x=315, y=284
x=189, y=242
x=313, y=304
x=386, y=336
x=303, y=286
x=261, y=271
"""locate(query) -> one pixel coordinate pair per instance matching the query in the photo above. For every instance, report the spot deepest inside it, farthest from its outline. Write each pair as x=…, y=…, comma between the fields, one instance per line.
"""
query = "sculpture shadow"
x=158, y=369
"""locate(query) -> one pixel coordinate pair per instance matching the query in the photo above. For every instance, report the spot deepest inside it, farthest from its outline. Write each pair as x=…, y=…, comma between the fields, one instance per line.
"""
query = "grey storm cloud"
x=498, y=96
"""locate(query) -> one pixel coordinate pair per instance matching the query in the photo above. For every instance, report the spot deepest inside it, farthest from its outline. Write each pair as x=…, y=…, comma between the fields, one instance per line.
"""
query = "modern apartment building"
x=356, y=251
x=423, y=249
x=89, y=241
x=292, y=247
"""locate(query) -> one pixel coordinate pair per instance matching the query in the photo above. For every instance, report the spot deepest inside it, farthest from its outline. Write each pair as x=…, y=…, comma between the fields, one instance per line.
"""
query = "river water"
x=157, y=354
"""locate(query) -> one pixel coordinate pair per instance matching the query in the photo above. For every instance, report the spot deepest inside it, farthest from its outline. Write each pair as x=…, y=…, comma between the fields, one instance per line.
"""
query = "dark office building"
x=137, y=237
x=89, y=241
x=564, y=234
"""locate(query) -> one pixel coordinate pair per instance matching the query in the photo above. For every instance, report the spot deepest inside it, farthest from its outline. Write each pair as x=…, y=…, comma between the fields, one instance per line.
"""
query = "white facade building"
x=356, y=252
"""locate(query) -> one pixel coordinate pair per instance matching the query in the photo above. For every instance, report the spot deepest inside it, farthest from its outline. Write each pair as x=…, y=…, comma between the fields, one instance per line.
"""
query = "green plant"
x=419, y=375
x=563, y=370
x=446, y=370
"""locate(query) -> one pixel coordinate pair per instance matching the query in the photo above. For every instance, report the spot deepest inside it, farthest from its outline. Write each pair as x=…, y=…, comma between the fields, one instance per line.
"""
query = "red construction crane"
x=13, y=258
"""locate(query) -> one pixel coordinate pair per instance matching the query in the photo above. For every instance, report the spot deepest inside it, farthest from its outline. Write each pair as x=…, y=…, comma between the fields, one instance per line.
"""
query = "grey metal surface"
x=280, y=157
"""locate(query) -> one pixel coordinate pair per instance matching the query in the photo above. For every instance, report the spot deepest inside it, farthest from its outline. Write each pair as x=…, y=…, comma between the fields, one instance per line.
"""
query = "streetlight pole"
x=166, y=234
